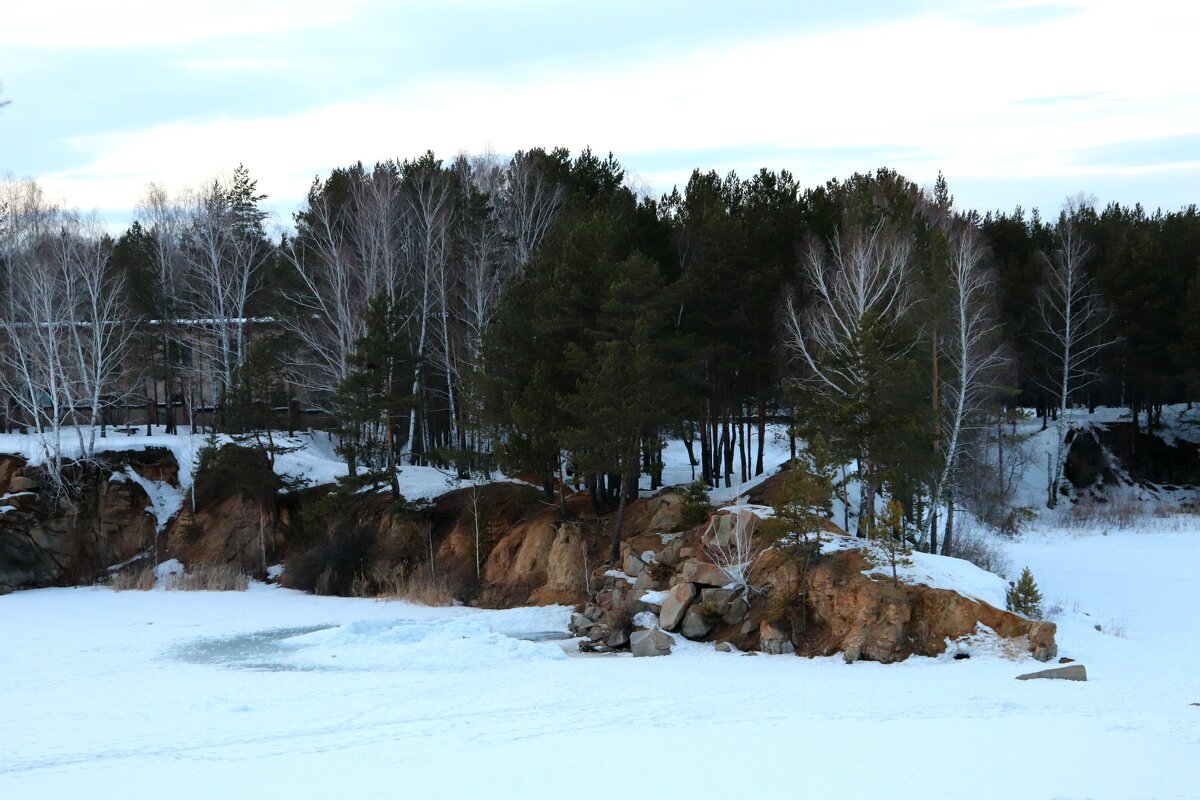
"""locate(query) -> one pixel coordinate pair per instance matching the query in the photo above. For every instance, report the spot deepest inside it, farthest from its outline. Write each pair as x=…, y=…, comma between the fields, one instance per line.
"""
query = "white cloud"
x=57, y=24
x=953, y=94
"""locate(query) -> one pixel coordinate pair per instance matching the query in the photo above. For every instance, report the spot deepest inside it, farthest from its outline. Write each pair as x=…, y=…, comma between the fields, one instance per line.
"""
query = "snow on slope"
x=312, y=460
x=934, y=571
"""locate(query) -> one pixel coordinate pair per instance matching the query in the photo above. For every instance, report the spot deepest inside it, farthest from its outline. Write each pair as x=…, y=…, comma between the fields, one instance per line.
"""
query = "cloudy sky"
x=1017, y=101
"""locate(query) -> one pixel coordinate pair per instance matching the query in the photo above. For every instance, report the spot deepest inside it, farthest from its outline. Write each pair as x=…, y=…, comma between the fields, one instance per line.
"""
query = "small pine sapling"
x=696, y=504
x=1024, y=597
x=888, y=540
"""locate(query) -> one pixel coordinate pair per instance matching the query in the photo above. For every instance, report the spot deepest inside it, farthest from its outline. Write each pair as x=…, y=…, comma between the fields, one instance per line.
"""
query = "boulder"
x=618, y=638
x=669, y=553
x=704, y=573
x=719, y=531
x=644, y=581
x=675, y=605
x=650, y=643
x=772, y=640
x=23, y=483
x=633, y=565
x=726, y=647
x=738, y=608
x=1074, y=672
x=25, y=501
x=695, y=624
x=666, y=512
x=580, y=624
x=717, y=601
x=598, y=632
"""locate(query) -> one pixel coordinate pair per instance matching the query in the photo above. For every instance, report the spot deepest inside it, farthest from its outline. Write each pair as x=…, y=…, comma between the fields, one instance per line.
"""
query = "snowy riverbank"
x=271, y=693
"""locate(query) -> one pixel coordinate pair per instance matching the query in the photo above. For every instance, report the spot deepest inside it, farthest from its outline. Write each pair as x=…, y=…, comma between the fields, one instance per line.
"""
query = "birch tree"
x=430, y=211
x=531, y=202
x=329, y=304
x=1072, y=318
x=845, y=338
x=98, y=333
x=970, y=346
x=163, y=217
x=225, y=255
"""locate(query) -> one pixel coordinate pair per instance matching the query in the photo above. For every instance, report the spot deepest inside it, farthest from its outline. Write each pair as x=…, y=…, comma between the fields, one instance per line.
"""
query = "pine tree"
x=888, y=539
x=375, y=394
x=696, y=504
x=625, y=397
x=1024, y=597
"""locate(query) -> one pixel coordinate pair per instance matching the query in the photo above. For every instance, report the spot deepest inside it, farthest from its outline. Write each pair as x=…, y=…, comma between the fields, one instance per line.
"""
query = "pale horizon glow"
x=1016, y=102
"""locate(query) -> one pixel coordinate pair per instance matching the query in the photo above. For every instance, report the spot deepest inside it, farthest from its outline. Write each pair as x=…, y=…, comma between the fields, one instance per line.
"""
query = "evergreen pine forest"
x=537, y=316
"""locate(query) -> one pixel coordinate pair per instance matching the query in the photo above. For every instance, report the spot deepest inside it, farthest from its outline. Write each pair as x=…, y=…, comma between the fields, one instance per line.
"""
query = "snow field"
x=273, y=693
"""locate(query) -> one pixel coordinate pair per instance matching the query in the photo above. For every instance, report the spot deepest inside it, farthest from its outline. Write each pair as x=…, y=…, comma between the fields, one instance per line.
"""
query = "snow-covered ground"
x=270, y=693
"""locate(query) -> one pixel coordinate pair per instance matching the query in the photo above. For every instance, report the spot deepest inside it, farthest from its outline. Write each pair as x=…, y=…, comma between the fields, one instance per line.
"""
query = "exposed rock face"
x=773, y=640
x=46, y=541
x=879, y=621
x=236, y=530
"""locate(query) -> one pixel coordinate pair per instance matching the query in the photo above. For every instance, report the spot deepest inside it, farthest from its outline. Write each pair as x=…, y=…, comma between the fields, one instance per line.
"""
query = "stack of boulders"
x=671, y=588
x=671, y=585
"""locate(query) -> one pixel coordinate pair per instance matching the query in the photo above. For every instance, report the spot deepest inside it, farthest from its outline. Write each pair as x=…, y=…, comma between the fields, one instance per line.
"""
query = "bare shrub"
x=424, y=587
x=212, y=578
x=971, y=544
x=334, y=565
x=135, y=578
x=1114, y=627
x=1120, y=514
x=737, y=551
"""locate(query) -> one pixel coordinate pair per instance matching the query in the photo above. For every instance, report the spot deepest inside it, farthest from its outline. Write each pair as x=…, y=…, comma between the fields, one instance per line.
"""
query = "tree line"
x=537, y=315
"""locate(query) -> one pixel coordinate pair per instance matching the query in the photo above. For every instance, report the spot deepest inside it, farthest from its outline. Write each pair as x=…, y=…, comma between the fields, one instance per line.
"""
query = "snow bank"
x=934, y=571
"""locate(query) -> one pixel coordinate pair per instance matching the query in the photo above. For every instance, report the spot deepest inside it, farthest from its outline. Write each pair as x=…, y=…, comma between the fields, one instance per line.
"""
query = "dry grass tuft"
x=213, y=578
x=420, y=585
x=135, y=578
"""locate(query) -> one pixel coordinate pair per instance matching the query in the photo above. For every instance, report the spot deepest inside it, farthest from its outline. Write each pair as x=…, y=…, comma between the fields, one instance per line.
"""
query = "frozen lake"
x=270, y=693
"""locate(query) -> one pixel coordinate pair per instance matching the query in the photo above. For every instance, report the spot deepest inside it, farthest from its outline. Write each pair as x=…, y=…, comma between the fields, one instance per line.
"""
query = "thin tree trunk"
x=762, y=436
x=948, y=539
x=614, y=552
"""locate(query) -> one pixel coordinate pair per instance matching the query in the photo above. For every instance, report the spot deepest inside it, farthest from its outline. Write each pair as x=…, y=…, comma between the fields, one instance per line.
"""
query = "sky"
x=1016, y=101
